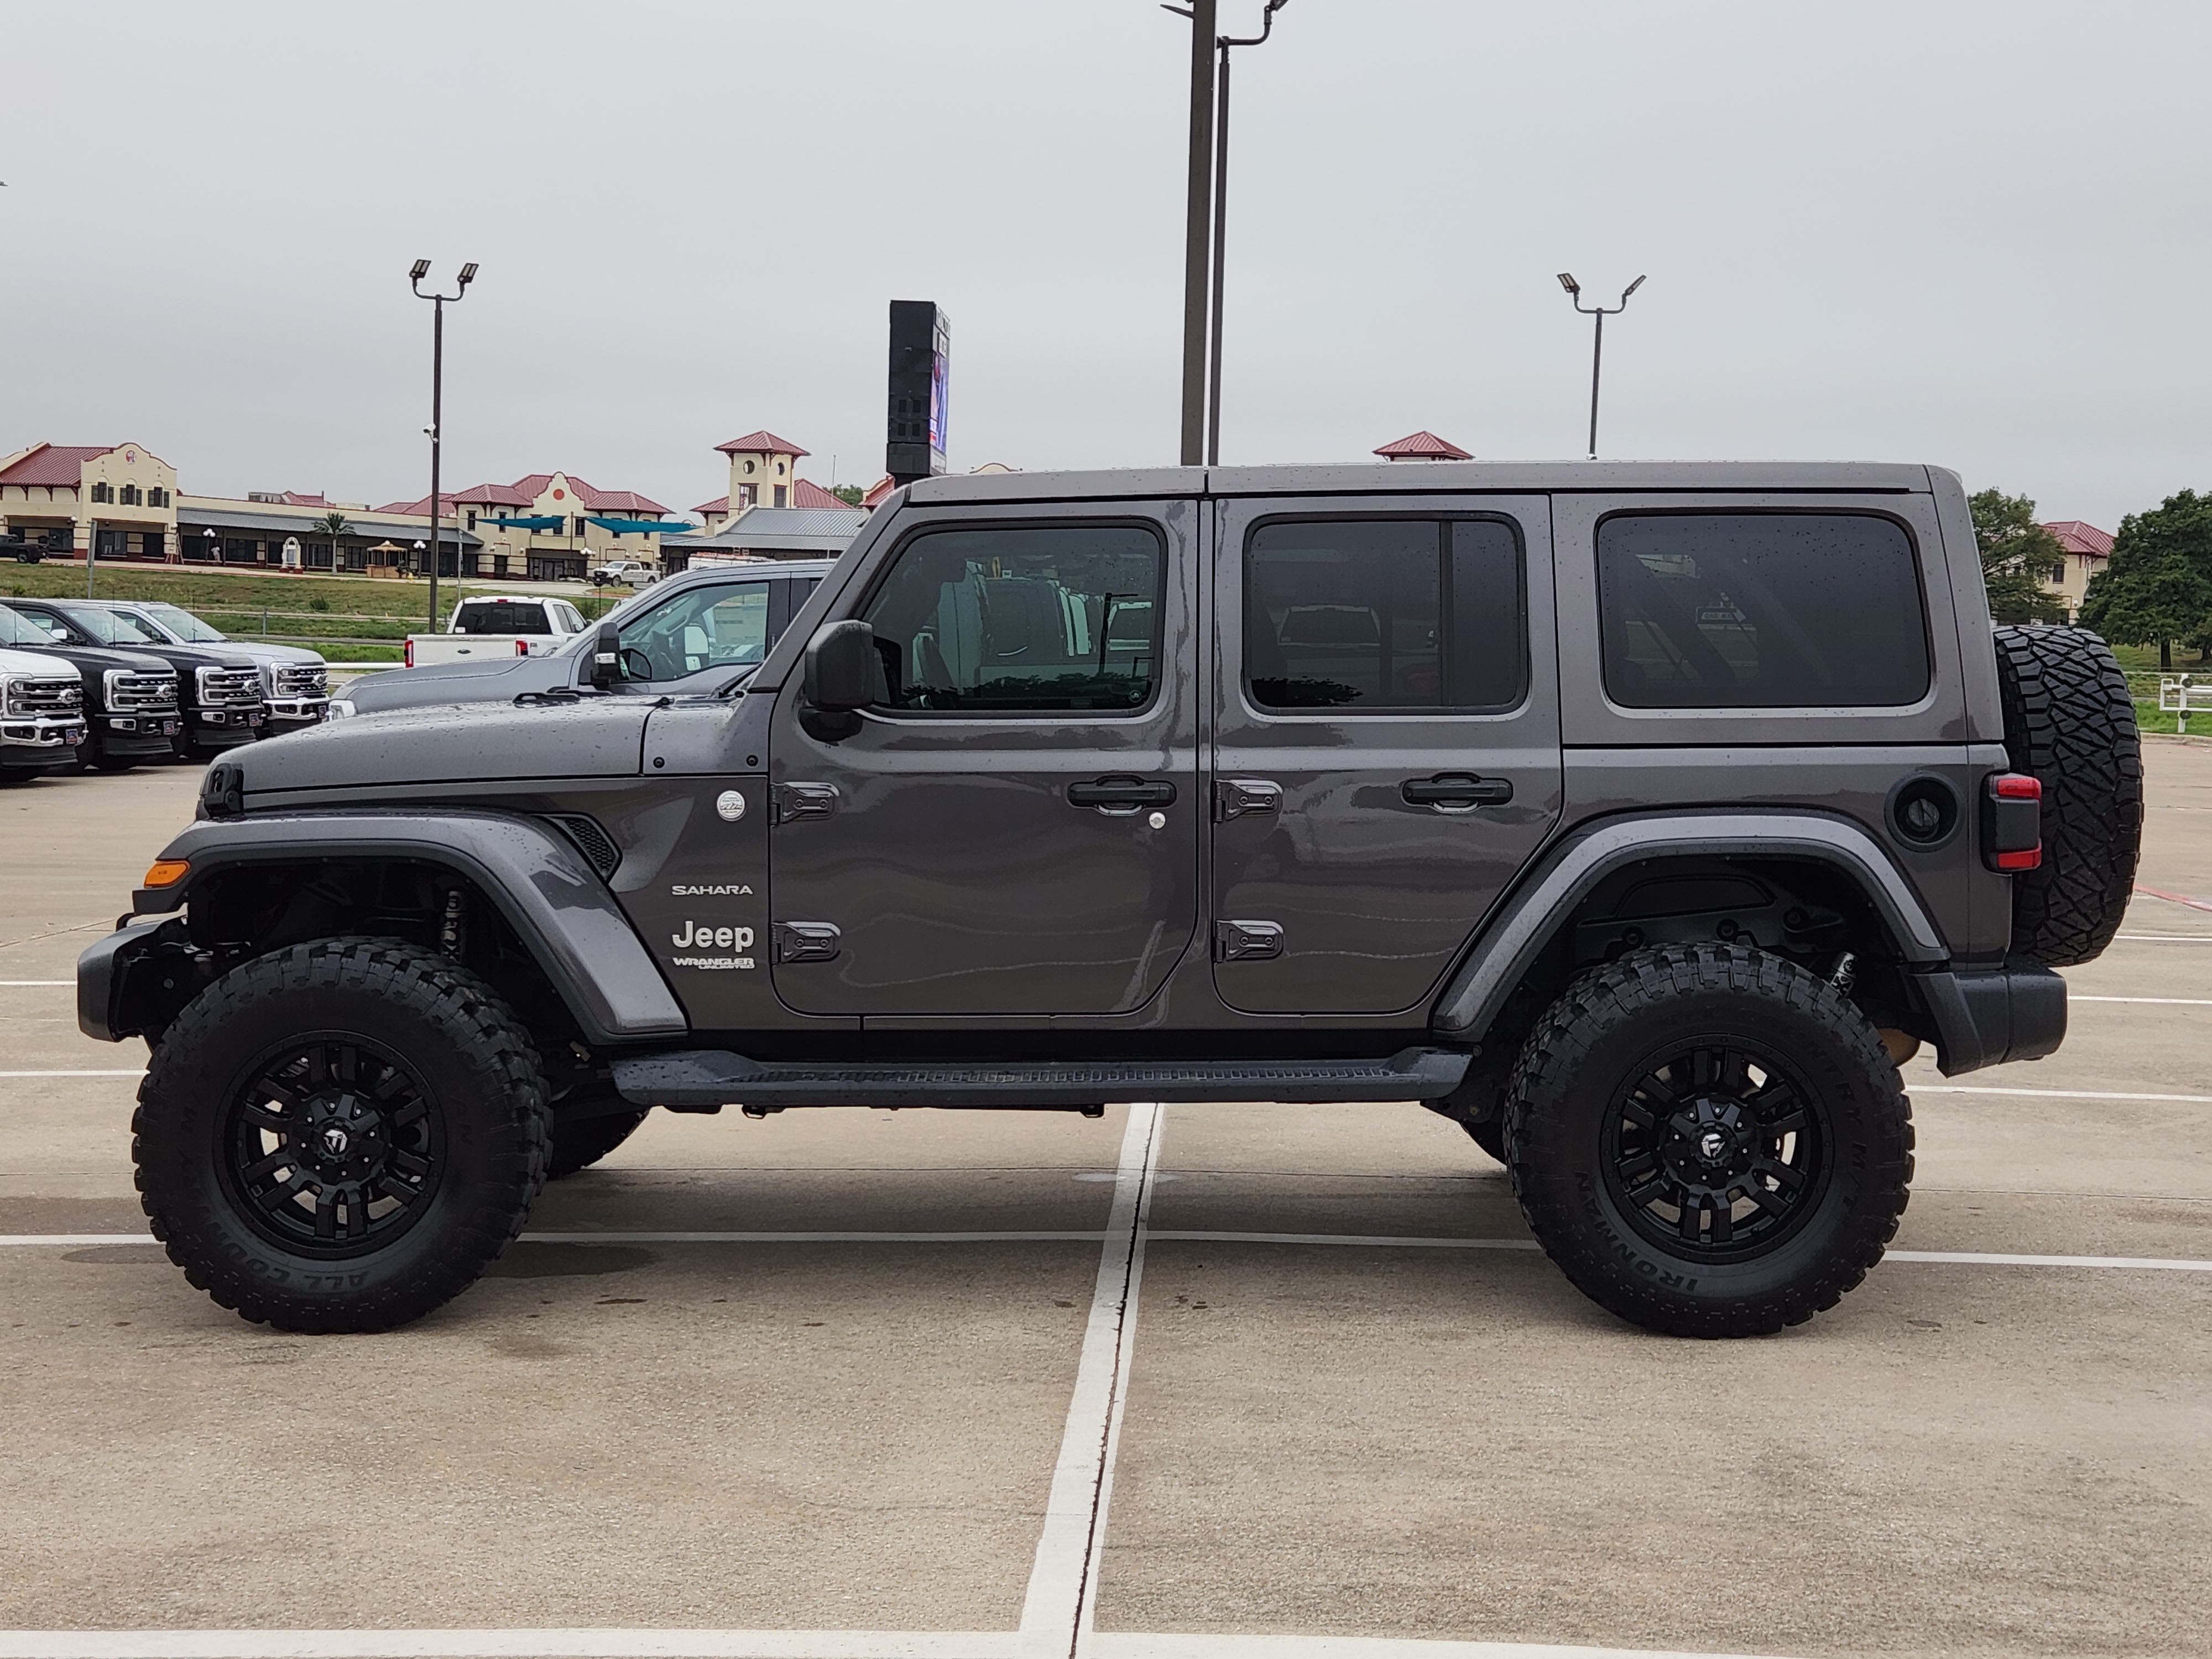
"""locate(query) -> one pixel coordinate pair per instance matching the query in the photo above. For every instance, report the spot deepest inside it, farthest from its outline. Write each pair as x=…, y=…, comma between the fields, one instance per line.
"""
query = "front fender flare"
x=1507, y=948
x=555, y=901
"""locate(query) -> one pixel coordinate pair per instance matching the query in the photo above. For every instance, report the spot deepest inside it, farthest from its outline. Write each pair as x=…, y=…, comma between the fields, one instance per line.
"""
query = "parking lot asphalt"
x=1219, y=1381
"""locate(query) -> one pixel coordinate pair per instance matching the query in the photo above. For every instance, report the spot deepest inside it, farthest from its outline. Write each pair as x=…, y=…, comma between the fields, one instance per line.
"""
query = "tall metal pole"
x=1597, y=357
x=1198, y=221
x=1597, y=342
x=437, y=439
x=1220, y=256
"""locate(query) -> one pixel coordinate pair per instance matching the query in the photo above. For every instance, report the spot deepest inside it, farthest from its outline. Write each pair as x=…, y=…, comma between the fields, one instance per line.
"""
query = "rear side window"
x=1011, y=620
x=1760, y=610
x=1356, y=615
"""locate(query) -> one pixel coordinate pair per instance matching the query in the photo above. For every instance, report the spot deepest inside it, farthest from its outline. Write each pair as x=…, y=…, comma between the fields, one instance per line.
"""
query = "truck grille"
x=302, y=680
x=133, y=692
x=225, y=686
x=55, y=696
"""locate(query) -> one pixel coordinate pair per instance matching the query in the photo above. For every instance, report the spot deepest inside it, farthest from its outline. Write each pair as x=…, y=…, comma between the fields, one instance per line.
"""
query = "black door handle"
x=1122, y=794
x=1462, y=789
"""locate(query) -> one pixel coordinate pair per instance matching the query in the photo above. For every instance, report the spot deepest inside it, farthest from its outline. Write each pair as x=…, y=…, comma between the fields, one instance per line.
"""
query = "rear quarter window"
x=1760, y=610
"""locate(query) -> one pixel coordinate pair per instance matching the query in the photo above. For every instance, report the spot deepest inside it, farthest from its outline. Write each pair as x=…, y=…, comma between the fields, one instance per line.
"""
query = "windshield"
x=16, y=629
x=103, y=625
x=184, y=625
x=133, y=629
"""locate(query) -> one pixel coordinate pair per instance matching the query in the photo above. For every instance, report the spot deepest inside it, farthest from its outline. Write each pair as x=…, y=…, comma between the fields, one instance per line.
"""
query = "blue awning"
x=549, y=521
x=642, y=527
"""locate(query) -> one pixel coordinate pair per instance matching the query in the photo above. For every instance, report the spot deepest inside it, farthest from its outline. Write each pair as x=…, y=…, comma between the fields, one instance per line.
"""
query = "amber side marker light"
x=167, y=872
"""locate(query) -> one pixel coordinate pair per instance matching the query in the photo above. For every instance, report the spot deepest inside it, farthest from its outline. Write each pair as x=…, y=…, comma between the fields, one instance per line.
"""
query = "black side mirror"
x=606, y=657
x=841, y=671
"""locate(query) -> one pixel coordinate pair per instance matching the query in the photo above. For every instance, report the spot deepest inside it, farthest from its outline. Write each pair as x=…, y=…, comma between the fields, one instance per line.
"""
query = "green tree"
x=2157, y=586
x=2016, y=552
x=848, y=494
x=334, y=524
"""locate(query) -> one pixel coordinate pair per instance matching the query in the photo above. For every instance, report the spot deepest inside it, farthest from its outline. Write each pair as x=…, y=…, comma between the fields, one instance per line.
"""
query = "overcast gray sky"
x=1967, y=232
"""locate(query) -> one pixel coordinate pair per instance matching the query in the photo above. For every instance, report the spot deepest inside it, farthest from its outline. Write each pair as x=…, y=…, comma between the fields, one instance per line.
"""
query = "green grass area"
x=340, y=616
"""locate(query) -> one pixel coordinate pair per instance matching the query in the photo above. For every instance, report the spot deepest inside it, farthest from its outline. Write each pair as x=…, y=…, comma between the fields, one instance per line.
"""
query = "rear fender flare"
x=554, y=900
x=1507, y=948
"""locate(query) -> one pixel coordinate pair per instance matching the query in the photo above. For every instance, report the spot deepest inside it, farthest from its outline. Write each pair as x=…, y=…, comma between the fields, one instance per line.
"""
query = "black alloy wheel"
x=1716, y=1151
x=333, y=1149
x=1709, y=1140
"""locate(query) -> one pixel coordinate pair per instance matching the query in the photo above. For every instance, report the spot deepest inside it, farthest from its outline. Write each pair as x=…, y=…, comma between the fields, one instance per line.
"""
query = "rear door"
x=1013, y=830
x=1386, y=739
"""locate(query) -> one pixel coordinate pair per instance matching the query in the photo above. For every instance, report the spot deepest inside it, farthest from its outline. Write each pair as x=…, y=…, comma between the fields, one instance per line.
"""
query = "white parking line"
x=37, y=982
x=671, y=1644
x=2167, y=938
x=2049, y=1094
x=2176, y=1002
x=135, y=1072
x=1061, y=1574
x=1123, y=1234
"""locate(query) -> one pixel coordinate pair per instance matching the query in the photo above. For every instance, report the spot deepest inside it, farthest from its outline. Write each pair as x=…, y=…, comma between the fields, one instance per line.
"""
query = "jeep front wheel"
x=1709, y=1140
x=340, y=1136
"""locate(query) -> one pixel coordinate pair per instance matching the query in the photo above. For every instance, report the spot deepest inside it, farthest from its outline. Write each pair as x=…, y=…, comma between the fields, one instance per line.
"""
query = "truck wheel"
x=340, y=1136
x=97, y=759
x=581, y=1142
x=1709, y=1140
x=2070, y=722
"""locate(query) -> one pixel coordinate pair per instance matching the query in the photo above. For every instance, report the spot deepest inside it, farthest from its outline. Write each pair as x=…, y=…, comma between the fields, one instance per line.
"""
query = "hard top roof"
x=1425, y=478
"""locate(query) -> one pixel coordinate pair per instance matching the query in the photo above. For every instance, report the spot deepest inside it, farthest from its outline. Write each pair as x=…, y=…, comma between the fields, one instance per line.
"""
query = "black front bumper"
x=138, y=737
x=2014, y=1013
x=211, y=730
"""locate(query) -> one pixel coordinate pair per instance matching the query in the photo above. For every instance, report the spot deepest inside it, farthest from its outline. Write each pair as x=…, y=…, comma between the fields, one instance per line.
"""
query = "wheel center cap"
x=1712, y=1147
x=335, y=1140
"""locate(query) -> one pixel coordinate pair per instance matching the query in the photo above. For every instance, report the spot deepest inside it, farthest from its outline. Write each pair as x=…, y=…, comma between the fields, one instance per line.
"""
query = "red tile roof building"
x=117, y=499
x=2086, y=549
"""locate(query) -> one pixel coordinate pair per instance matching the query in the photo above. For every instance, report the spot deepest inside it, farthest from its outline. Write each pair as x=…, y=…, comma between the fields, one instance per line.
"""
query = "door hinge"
x=806, y=941
x=1247, y=941
x=793, y=801
x=1235, y=798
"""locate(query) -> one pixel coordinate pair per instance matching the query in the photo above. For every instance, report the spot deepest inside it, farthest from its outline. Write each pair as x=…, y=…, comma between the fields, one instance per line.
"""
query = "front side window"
x=1760, y=610
x=1363, y=615
x=720, y=626
x=1016, y=620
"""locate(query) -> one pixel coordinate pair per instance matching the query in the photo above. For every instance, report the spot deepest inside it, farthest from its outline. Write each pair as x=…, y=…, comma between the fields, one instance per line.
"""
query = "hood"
x=498, y=677
x=456, y=742
x=14, y=660
x=256, y=651
x=95, y=659
x=195, y=656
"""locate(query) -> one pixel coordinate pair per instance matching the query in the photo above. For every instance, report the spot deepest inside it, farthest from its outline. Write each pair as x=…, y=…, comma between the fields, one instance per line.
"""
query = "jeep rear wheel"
x=340, y=1136
x=2070, y=722
x=1709, y=1140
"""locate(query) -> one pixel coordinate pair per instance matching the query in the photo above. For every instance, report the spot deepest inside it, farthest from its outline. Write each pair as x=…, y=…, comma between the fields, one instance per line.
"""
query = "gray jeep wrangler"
x=1643, y=819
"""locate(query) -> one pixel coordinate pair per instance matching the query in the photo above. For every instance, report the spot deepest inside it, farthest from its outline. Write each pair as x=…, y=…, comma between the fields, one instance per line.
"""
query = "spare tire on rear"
x=2070, y=723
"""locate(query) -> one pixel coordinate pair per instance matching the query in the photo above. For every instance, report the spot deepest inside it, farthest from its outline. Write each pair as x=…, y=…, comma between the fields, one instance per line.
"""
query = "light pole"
x=415, y=276
x=1198, y=217
x=1221, y=217
x=1597, y=347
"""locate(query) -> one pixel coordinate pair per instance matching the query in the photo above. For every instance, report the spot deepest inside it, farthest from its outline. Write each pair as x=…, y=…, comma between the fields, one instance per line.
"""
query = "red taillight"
x=407, y=656
x=2012, y=822
x=522, y=647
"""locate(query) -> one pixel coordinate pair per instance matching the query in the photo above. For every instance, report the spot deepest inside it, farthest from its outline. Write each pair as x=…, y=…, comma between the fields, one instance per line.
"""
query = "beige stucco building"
x=2087, y=549
x=119, y=501
x=549, y=526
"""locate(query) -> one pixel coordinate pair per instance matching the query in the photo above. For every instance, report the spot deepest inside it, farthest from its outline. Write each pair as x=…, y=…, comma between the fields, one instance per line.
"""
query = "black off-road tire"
x=1568, y=1111
x=470, y=1092
x=2070, y=722
x=97, y=759
x=581, y=1142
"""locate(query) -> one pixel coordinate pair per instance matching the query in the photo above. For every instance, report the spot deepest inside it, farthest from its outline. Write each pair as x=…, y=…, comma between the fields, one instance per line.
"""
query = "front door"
x=1387, y=751
x=1014, y=827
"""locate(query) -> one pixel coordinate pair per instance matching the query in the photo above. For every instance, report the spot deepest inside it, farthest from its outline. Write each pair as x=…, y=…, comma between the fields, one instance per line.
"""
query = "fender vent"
x=594, y=843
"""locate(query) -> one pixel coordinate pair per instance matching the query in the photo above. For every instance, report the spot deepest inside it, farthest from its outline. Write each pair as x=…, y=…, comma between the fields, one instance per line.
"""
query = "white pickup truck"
x=493, y=625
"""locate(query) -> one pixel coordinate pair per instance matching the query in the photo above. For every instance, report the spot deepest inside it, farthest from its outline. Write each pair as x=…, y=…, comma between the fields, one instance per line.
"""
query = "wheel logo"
x=1714, y=1145
x=335, y=1141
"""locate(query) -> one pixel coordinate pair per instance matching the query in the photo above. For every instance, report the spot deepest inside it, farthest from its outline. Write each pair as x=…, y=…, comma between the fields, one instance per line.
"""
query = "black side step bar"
x=714, y=1077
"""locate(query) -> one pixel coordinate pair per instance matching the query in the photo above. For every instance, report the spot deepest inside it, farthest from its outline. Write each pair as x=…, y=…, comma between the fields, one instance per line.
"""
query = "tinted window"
x=1014, y=621
x=1760, y=610
x=494, y=616
x=1384, y=614
x=724, y=625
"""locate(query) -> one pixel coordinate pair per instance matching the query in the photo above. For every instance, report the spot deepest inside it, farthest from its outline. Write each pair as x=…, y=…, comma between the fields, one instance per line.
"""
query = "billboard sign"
x=918, y=411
